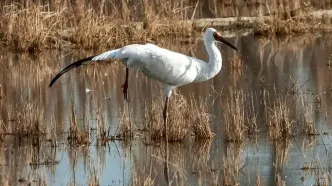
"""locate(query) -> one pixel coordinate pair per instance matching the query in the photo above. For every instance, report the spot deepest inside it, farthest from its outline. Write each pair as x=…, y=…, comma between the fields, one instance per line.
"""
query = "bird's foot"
x=125, y=90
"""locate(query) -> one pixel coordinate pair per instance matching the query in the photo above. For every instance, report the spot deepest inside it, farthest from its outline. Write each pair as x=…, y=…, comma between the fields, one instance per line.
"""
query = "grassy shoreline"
x=31, y=27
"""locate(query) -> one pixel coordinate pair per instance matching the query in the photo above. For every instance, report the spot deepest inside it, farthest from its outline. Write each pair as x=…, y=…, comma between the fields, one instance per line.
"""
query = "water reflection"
x=281, y=67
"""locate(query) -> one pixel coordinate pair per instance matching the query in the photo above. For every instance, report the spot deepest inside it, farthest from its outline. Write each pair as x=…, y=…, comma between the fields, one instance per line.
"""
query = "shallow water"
x=270, y=65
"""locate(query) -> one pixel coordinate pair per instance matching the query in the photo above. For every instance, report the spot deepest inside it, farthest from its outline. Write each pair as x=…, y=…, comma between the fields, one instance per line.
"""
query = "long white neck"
x=214, y=65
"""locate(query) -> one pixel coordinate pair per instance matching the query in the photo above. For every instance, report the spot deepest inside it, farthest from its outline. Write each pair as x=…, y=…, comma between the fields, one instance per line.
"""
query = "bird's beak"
x=218, y=37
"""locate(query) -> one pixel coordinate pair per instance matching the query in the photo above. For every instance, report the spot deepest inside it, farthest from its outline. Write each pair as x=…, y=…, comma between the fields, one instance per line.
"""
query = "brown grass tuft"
x=179, y=118
x=201, y=119
x=279, y=120
x=182, y=115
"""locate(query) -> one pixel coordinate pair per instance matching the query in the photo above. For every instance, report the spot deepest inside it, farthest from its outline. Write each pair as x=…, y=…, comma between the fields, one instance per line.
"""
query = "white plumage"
x=170, y=68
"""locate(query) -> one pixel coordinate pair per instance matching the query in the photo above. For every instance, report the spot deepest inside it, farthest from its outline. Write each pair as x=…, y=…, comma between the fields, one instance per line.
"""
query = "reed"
x=2, y=137
x=179, y=118
x=259, y=180
x=234, y=115
x=26, y=120
x=183, y=115
x=201, y=118
x=75, y=135
x=231, y=164
x=236, y=63
x=143, y=177
x=103, y=133
x=33, y=26
x=282, y=149
x=125, y=130
x=279, y=120
x=279, y=181
x=201, y=154
x=94, y=180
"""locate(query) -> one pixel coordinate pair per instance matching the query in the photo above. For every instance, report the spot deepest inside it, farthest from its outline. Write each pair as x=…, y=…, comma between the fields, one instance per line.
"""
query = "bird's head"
x=212, y=35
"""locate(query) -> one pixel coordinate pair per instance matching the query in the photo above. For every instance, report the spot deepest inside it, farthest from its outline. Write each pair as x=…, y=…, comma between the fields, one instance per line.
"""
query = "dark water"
x=270, y=65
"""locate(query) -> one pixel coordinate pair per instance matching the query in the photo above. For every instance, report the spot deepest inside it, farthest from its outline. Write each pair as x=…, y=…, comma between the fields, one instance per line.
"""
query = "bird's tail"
x=104, y=56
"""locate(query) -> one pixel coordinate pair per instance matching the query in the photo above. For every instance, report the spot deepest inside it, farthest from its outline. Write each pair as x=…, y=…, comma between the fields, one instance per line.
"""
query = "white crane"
x=170, y=68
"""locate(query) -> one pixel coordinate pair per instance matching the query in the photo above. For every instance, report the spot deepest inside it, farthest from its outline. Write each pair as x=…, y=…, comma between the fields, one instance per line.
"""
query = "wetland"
x=265, y=119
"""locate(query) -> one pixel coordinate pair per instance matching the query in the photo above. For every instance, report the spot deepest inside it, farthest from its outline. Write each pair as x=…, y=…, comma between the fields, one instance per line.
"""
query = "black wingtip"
x=69, y=67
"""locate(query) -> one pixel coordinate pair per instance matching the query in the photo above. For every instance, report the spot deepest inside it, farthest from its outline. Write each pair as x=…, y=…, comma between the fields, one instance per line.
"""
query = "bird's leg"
x=125, y=85
x=166, y=140
x=165, y=118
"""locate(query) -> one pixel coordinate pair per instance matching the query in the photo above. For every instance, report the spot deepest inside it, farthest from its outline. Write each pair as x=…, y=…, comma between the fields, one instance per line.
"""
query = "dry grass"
x=1, y=130
x=259, y=180
x=252, y=115
x=27, y=26
x=103, y=133
x=125, y=130
x=201, y=118
x=201, y=154
x=282, y=149
x=234, y=113
x=75, y=135
x=143, y=177
x=37, y=26
x=182, y=116
x=236, y=63
x=319, y=171
x=279, y=181
x=94, y=180
x=26, y=120
x=291, y=17
x=179, y=118
x=279, y=120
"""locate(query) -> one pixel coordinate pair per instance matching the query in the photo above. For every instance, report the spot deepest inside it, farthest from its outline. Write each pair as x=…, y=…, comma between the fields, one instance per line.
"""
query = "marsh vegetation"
x=263, y=108
x=33, y=26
